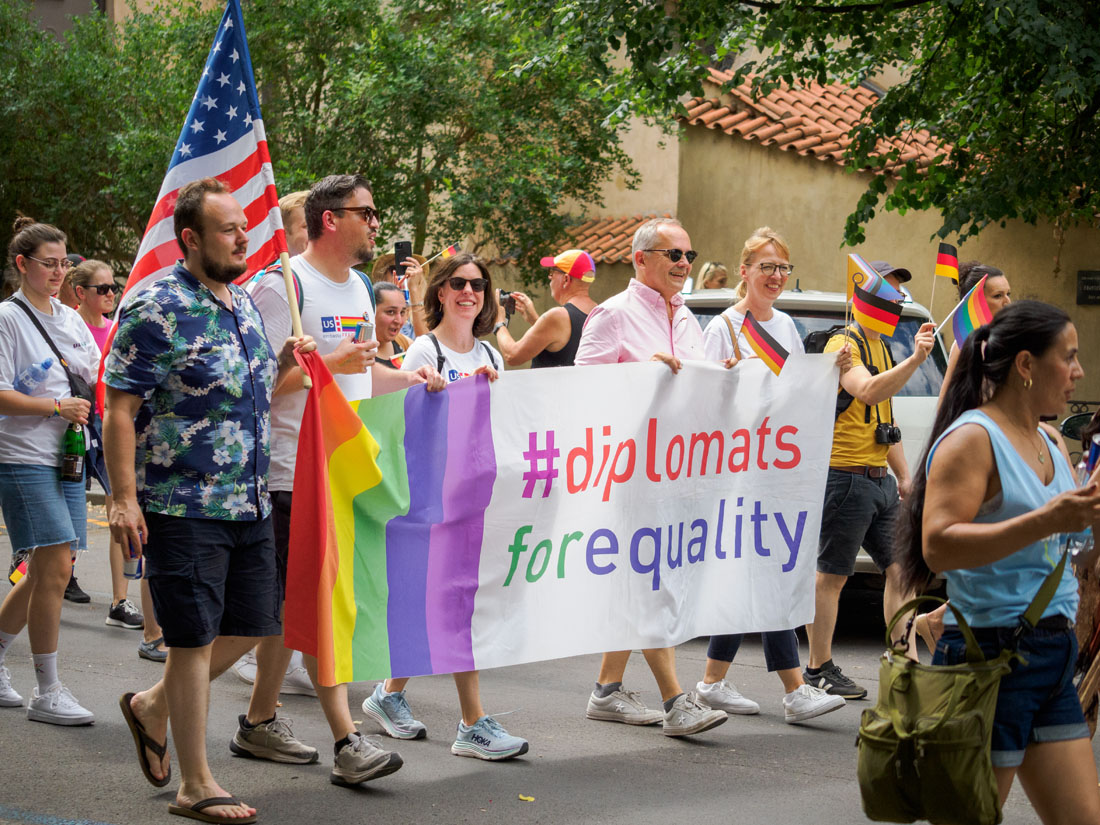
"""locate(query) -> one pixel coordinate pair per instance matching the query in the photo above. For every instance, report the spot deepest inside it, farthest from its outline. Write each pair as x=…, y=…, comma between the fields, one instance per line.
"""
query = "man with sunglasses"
x=648, y=322
x=341, y=225
x=861, y=497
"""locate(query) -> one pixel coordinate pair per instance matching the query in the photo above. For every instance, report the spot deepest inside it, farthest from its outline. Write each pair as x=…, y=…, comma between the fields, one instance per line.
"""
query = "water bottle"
x=28, y=380
x=1082, y=542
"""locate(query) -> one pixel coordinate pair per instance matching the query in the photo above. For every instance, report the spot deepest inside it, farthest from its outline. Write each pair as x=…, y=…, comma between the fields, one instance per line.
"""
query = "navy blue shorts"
x=211, y=578
x=858, y=511
x=1037, y=701
x=280, y=520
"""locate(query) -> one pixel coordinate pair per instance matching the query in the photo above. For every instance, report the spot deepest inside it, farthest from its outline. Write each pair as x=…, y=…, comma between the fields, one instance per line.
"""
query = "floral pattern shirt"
x=206, y=373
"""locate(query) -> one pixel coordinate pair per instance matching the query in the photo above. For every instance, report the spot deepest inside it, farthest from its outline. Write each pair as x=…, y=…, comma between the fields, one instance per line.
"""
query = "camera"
x=508, y=302
x=886, y=433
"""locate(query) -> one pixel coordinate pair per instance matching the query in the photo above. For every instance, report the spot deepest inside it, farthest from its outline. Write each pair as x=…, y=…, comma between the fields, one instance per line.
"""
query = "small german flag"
x=947, y=262
x=450, y=251
x=767, y=349
x=19, y=572
x=875, y=313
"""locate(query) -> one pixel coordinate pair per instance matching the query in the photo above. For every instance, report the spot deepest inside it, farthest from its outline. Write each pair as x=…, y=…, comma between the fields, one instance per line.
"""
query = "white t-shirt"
x=330, y=312
x=456, y=365
x=31, y=439
x=718, y=345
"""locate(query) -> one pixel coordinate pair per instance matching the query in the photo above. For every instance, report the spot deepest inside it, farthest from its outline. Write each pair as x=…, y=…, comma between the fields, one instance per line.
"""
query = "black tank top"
x=564, y=357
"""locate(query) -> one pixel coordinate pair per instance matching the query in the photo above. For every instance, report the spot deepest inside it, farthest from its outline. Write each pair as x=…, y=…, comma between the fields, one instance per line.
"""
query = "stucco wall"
x=729, y=187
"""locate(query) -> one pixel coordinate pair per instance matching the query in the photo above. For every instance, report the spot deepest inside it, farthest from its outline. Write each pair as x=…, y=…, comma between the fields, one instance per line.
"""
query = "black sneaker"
x=832, y=681
x=73, y=593
x=124, y=614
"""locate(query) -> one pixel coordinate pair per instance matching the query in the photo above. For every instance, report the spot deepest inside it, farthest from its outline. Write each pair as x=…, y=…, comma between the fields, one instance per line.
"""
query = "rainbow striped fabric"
x=767, y=349
x=947, y=261
x=971, y=313
x=348, y=323
x=354, y=542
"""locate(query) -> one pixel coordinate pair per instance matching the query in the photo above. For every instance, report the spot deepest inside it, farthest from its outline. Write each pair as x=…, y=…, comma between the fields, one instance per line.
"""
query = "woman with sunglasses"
x=765, y=267
x=460, y=306
x=94, y=285
x=45, y=515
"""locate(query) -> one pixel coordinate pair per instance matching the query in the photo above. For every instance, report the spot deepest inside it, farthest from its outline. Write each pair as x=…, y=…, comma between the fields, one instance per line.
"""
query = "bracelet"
x=417, y=305
x=500, y=324
x=56, y=408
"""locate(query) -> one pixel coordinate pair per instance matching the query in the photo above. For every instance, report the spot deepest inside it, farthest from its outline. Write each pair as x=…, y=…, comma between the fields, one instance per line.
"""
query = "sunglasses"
x=103, y=289
x=367, y=213
x=459, y=284
x=675, y=255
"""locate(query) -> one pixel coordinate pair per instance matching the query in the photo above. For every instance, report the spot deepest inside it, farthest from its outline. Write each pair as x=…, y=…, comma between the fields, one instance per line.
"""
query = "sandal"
x=143, y=740
x=196, y=811
x=151, y=650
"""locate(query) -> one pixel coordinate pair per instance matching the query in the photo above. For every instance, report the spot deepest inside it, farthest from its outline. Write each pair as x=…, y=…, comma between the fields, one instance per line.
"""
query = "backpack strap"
x=439, y=353
x=733, y=336
x=370, y=288
x=492, y=358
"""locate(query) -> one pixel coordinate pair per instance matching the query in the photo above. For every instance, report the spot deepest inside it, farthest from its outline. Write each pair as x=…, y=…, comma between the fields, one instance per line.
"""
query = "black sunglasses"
x=675, y=255
x=103, y=289
x=459, y=284
x=367, y=213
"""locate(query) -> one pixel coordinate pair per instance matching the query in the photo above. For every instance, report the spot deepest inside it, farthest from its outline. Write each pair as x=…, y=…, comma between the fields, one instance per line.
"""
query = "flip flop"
x=196, y=811
x=143, y=740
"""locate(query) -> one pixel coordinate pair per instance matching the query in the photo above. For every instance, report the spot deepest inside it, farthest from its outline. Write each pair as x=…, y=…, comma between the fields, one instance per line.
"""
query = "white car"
x=914, y=407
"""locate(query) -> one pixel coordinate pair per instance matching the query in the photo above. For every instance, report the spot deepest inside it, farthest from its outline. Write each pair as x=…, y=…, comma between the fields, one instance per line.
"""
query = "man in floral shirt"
x=190, y=378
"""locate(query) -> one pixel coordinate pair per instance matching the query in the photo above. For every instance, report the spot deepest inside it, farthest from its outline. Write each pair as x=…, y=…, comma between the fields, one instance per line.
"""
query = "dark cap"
x=884, y=269
x=75, y=259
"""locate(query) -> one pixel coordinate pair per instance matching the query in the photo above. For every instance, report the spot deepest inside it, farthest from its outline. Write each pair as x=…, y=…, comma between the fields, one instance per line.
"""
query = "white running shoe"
x=8, y=697
x=624, y=706
x=724, y=696
x=245, y=668
x=57, y=707
x=688, y=717
x=806, y=702
x=296, y=681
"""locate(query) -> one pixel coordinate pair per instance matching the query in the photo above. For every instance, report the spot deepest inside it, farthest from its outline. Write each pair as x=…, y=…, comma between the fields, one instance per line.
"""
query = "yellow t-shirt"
x=853, y=437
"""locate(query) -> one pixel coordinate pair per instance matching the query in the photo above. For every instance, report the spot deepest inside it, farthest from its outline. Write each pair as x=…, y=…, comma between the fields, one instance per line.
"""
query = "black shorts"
x=280, y=519
x=858, y=511
x=212, y=578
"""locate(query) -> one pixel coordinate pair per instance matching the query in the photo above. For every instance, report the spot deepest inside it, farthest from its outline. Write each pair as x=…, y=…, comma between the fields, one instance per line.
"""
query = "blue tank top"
x=997, y=594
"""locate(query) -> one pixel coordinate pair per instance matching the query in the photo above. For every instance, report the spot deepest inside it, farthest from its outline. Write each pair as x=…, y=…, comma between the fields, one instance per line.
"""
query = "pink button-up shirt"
x=633, y=325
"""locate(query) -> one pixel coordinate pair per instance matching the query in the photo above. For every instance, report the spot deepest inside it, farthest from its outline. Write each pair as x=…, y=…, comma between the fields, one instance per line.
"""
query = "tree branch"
x=886, y=5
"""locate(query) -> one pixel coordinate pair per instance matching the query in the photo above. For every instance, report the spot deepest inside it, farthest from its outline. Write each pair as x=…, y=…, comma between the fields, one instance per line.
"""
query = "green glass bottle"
x=72, y=454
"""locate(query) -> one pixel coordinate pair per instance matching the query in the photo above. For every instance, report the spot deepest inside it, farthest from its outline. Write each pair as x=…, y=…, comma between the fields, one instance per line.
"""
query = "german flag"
x=450, y=251
x=875, y=313
x=947, y=262
x=767, y=349
x=19, y=572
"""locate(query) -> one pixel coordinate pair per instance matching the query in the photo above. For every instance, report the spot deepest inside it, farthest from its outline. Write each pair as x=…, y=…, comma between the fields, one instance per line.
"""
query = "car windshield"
x=925, y=381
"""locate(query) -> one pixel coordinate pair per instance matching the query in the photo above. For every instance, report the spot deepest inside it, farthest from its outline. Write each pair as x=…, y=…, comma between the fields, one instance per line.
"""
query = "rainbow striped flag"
x=971, y=313
x=767, y=349
x=450, y=251
x=386, y=546
x=861, y=274
x=19, y=572
x=875, y=312
x=947, y=262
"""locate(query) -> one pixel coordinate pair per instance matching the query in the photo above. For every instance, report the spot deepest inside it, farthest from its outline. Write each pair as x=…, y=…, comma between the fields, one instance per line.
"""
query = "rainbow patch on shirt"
x=343, y=324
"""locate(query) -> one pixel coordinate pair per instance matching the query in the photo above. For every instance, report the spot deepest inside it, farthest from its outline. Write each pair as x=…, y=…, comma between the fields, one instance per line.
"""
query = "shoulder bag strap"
x=60, y=358
x=492, y=358
x=733, y=336
x=439, y=353
x=1046, y=592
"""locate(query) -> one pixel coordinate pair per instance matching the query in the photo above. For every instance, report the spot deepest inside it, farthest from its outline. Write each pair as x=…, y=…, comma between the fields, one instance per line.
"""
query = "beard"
x=222, y=273
x=365, y=254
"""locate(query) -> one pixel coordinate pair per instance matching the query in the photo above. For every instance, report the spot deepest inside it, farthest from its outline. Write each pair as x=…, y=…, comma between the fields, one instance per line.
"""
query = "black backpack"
x=816, y=341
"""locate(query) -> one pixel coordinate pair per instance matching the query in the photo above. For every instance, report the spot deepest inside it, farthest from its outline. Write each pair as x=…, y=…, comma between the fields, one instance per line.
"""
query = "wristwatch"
x=499, y=324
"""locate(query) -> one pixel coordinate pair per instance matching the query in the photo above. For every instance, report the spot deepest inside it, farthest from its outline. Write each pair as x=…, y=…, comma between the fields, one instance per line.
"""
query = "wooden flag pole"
x=292, y=302
x=951, y=314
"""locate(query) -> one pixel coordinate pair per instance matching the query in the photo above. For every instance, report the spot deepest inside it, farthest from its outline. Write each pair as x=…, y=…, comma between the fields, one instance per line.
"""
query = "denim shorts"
x=858, y=511
x=211, y=578
x=41, y=510
x=1037, y=701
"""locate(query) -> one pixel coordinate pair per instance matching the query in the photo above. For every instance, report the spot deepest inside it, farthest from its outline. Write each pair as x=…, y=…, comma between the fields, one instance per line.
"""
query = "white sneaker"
x=297, y=681
x=624, y=706
x=245, y=668
x=724, y=696
x=57, y=707
x=806, y=702
x=8, y=697
x=688, y=717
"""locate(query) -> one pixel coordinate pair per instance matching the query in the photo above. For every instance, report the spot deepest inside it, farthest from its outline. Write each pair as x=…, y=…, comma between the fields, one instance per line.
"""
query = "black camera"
x=886, y=433
x=508, y=302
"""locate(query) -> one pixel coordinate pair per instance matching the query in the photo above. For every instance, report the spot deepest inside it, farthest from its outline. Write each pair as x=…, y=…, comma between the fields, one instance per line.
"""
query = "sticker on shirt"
x=339, y=326
x=454, y=375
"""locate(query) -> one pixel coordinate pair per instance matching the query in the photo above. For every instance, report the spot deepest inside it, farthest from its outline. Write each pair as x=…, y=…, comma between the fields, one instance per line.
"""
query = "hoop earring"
x=1027, y=384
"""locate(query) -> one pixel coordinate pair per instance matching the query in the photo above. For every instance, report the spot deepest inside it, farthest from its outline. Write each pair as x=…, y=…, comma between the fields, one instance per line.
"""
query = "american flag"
x=223, y=137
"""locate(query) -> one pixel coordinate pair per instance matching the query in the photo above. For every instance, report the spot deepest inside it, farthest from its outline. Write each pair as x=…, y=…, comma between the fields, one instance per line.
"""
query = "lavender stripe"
x=455, y=554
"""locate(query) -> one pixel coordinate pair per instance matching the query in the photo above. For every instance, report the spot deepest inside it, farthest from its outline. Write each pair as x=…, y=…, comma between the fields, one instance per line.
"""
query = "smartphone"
x=508, y=302
x=402, y=250
x=364, y=331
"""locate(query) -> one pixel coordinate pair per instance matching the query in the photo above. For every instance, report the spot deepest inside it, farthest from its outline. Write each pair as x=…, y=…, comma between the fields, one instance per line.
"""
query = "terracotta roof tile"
x=810, y=119
x=607, y=240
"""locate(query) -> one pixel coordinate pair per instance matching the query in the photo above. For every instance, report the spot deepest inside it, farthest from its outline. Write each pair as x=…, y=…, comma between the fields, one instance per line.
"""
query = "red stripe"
x=943, y=259
x=766, y=343
x=881, y=314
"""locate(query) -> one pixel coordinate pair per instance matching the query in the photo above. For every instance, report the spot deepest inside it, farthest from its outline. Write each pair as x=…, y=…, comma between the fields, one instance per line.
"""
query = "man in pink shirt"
x=648, y=322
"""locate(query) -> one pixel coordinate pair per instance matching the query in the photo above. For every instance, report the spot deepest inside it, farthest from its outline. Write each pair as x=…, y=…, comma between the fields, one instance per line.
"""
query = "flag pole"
x=951, y=314
x=292, y=302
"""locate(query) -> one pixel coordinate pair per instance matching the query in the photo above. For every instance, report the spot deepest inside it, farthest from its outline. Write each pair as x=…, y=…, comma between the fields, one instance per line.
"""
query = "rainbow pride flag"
x=369, y=520
x=861, y=274
x=947, y=261
x=348, y=323
x=874, y=312
x=767, y=349
x=971, y=313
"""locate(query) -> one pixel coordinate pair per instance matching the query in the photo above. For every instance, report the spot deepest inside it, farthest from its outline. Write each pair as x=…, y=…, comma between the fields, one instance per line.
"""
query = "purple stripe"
x=455, y=554
x=408, y=537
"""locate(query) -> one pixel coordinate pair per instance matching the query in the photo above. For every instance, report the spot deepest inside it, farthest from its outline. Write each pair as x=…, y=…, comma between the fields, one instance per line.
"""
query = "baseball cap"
x=576, y=263
x=884, y=269
x=75, y=259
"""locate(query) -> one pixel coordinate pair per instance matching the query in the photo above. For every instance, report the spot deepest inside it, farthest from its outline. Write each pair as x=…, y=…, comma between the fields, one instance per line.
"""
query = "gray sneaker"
x=273, y=741
x=363, y=759
x=688, y=717
x=8, y=696
x=391, y=712
x=624, y=706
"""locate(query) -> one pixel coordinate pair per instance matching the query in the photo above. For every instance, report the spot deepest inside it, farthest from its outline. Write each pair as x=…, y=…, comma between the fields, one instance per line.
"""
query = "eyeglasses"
x=675, y=255
x=367, y=213
x=64, y=264
x=784, y=269
x=459, y=284
x=103, y=289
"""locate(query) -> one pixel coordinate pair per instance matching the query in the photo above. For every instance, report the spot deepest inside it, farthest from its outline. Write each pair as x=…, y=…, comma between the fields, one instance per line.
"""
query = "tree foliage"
x=422, y=97
x=1010, y=87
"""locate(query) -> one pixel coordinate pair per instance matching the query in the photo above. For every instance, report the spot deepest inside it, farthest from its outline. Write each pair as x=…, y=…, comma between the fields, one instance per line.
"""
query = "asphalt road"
x=753, y=769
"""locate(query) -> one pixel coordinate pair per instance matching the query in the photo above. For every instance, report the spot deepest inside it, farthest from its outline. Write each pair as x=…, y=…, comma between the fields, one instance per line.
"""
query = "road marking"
x=99, y=523
x=18, y=815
